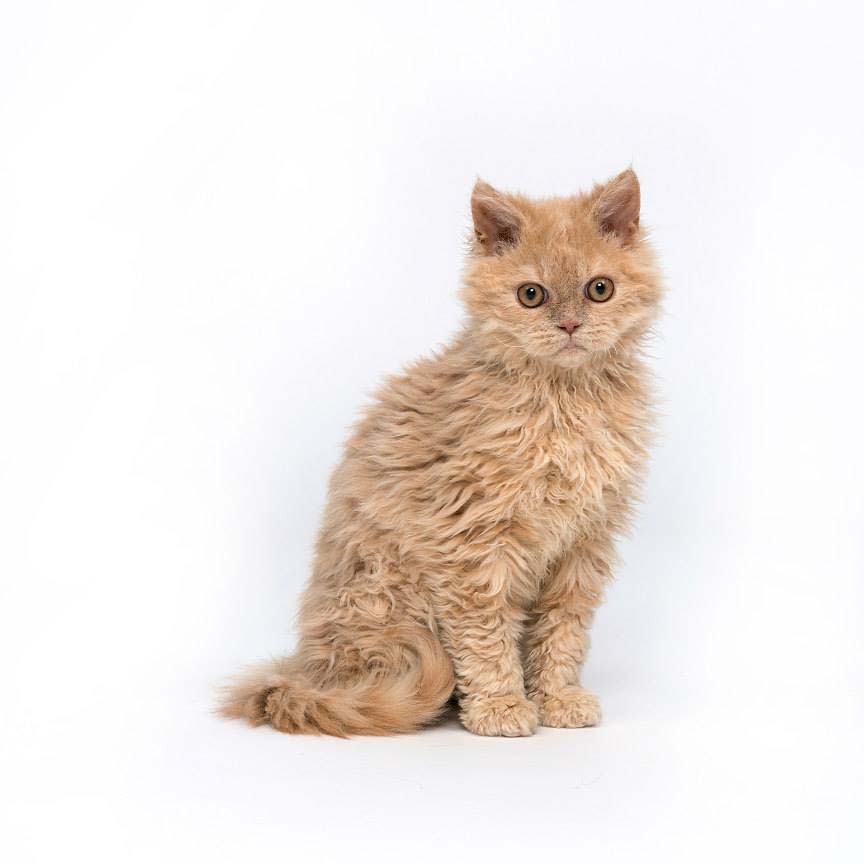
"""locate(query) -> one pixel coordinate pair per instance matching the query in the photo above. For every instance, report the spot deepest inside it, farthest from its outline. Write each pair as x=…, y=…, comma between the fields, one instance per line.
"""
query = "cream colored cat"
x=470, y=526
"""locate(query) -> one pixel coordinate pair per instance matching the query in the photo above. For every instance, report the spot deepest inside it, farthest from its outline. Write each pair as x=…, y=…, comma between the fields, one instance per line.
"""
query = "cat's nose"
x=569, y=326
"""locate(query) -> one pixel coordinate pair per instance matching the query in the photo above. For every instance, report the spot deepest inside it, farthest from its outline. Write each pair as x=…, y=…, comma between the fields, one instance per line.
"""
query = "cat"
x=470, y=527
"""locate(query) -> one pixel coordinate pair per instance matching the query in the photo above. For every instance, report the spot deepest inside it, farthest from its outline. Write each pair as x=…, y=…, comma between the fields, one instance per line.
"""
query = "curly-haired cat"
x=470, y=526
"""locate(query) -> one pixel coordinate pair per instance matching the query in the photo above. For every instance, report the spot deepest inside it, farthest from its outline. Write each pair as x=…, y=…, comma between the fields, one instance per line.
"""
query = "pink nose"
x=569, y=326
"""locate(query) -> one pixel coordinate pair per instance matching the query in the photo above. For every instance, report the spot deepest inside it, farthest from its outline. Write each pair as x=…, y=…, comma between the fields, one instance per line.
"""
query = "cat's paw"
x=569, y=708
x=512, y=715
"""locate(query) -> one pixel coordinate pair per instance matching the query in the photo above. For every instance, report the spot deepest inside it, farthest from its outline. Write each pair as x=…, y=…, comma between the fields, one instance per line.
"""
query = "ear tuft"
x=616, y=207
x=496, y=222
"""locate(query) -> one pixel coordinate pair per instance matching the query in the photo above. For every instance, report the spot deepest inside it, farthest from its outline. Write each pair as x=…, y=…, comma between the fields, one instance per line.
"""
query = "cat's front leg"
x=556, y=640
x=482, y=631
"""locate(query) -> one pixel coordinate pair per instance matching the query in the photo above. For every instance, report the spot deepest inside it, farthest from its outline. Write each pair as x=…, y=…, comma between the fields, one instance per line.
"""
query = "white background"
x=223, y=224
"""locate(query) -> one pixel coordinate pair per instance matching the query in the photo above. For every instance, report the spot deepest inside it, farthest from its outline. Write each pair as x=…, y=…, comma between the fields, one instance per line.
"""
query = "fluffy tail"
x=409, y=689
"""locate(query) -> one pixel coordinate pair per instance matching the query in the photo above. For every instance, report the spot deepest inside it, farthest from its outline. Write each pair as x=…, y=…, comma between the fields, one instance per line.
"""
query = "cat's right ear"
x=496, y=222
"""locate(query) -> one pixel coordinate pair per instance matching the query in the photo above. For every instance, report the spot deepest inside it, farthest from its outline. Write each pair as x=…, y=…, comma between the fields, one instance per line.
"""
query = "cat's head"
x=560, y=280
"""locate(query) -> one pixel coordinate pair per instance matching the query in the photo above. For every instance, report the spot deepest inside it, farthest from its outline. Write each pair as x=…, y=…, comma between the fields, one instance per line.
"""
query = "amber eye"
x=600, y=290
x=531, y=294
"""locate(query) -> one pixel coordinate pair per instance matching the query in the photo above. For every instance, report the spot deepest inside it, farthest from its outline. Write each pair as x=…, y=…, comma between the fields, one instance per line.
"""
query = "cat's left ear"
x=616, y=208
x=497, y=224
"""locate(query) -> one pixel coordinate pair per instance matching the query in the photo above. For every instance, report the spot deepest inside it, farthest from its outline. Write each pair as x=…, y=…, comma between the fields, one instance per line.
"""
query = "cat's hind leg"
x=364, y=666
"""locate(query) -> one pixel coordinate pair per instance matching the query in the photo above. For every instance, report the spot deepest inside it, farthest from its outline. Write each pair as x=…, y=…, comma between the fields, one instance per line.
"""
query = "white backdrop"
x=222, y=225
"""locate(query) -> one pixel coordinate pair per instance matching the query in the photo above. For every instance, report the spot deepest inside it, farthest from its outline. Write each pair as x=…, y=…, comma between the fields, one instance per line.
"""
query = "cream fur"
x=470, y=526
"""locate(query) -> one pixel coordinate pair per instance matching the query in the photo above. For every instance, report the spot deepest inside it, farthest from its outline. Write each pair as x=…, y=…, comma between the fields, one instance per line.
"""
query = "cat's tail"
x=409, y=686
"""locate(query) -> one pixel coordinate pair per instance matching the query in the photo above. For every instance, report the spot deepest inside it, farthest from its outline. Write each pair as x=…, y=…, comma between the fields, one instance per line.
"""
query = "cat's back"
x=419, y=411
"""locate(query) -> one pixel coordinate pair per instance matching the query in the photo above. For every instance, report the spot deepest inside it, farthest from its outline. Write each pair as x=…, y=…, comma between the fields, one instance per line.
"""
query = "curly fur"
x=470, y=526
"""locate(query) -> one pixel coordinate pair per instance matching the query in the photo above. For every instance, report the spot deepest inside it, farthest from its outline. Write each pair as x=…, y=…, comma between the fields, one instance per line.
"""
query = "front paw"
x=511, y=715
x=569, y=708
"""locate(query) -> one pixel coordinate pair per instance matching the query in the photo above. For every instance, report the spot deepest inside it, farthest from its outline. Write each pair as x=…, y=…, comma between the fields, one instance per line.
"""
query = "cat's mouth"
x=570, y=347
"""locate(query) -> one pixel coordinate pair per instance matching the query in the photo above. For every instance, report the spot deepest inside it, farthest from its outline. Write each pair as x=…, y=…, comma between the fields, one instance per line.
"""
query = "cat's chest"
x=581, y=462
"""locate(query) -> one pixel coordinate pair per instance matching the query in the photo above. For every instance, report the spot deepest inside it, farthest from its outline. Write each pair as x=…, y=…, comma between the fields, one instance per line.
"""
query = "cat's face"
x=562, y=279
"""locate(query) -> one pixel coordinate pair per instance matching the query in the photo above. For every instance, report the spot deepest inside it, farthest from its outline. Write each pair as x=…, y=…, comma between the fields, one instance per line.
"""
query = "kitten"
x=470, y=526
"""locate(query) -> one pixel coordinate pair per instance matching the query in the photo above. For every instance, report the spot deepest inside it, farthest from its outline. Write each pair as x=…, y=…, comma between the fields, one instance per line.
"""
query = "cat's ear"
x=616, y=206
x=496, y=223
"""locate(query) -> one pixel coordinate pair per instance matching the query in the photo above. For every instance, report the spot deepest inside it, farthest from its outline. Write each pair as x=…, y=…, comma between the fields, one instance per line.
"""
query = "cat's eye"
x=600, y=290
x=531, y=294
